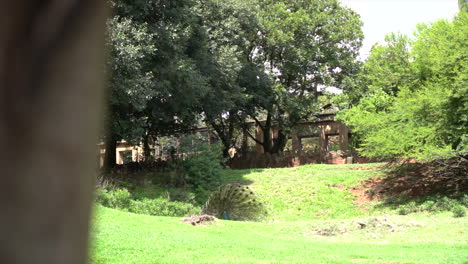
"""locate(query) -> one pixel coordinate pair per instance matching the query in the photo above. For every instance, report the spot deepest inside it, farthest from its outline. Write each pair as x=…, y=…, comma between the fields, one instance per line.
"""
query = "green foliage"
x=408, y=208
x=234, y=202
x=388, y=67
x=459, y=211
x=161, y=207
x=202, y=168
x=175, y=64
x=297, y=48
x=414, y=102
x=130, y=44
x=155, y=86
x=119, y=198
x=122, y=199
x=433, y=204
x=150, y=191
x=217, y=47
x=462, y=4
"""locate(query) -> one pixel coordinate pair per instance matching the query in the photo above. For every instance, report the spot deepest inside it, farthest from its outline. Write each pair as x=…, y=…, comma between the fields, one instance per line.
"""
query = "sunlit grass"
x=122, y=237
x=307, y=192
x=313, y=219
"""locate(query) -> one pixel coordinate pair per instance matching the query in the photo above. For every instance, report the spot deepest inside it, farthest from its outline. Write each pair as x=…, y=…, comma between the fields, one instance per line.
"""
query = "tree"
x=155, y=85
x=130, y=44
x=419, y=109
x=462, y=4
x=299, y=48
x=217, y=45
x=388, y=67
x=372, y=90
x=50, y=96
x=222, y=62
x=440, y=58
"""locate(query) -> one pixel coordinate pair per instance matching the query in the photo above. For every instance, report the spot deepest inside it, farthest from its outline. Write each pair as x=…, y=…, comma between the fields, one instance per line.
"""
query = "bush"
x=433, y=204
x=119, y=198
x=464, y=200
x=445, y=204
x=428, y=206
x=459, y=211
x=202, y=168
x=162, y=207
x=408, y=208
x=172, y=194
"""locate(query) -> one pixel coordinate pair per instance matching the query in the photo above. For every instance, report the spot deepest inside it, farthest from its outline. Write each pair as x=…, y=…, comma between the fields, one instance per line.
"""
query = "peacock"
x=234, y=202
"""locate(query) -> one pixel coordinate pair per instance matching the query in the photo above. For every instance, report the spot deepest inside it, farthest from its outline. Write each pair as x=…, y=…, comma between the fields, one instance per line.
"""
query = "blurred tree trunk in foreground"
x=51, y=57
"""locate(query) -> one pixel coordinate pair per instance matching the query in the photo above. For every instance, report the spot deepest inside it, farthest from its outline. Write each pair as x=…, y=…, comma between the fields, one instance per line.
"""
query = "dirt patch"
x=361, y=196
x=413, y=179
x=196, y=220
x=367, y=191
x=447, y=177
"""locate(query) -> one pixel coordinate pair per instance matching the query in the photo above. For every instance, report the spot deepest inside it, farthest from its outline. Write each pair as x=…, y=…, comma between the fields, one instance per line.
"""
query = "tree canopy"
x=178, y=64
x=414, y=98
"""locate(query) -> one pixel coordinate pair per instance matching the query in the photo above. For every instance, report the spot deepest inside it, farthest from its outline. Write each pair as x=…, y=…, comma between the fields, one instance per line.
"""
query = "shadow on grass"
x=237, y=176
x=432, y=186
x=165, y=184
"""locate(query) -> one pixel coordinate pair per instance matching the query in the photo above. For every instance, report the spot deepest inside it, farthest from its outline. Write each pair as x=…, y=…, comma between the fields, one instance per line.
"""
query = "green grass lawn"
x=307, y=192
x=313, y=219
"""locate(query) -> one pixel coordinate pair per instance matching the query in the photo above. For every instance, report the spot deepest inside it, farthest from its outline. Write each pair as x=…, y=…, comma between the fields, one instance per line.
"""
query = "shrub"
x=427, y=206
x=433, y=204
x=408, y=208
x=445, y=204
x=161, y=207
x=464, y=200
x=459, y=211
x=119, y=198
x=182, y=196
x=201, y=195
x=201, y=168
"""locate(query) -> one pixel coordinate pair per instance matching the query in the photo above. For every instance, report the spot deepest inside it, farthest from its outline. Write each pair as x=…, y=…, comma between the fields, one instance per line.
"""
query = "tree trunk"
x=225, y=135
x=110, y=154
x=147, y=149
x=226, y=143
x=245, y=142
x=280, y=142
x=51, y=65
x=267, y=143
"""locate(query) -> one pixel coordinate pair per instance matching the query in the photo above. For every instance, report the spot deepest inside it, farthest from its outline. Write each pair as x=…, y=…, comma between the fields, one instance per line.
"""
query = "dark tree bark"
x=280, y=142
x=146, y=148
x=269, y=145
x=225, y=131
x=110, y=155
x=51, y=65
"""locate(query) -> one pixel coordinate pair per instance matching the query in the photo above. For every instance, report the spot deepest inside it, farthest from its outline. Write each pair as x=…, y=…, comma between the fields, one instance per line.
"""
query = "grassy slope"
x=307, y=192
x=299, y=196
